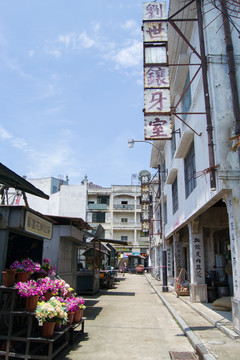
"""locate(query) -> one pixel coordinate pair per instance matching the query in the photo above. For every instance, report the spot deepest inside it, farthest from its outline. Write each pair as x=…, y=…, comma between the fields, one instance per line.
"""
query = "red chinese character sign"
x=158, y=126
x=154, y=10
x=156, y=77
x=157, y=103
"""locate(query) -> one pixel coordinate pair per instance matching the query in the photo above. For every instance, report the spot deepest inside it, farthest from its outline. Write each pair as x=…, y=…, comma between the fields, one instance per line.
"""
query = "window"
x=90, y=202
x=124, y=202
x=124, y=238
x=124, y=220
x=190, y=171
x=103, y=200
x=175, y=196
x=187, y=99
x=98, y=217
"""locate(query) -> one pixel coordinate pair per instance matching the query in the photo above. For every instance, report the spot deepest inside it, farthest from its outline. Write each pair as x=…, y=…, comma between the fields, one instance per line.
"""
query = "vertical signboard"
x=145, y=177
x=157, y=120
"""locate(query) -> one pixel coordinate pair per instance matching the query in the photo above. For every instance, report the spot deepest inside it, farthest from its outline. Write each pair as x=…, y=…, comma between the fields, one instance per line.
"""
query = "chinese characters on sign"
x=178, y=256
x=198, y=259
x=145, y=200
x=38, y=226
x=157, y=104
x=169, y=262
x=156, y=77
x=232, y=232
x=154, y=11
x=157, y=126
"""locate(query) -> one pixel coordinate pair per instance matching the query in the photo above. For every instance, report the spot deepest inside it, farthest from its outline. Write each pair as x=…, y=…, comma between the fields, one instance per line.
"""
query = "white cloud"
x=13, y=140
x=20, y=143
x=129, y=56
x=4, y=134
x=85, y=40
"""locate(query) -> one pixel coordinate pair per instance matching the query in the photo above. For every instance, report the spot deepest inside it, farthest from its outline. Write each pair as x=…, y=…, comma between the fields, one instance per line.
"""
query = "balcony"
x=126, y=225
x=123, y=207
x=97, y=206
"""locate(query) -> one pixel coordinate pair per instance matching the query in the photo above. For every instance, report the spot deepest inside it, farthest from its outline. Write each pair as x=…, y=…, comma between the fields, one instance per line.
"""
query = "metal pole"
x=206, y=96
x=161, y=200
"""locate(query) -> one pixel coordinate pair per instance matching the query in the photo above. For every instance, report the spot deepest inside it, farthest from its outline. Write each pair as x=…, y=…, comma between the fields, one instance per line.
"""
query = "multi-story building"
x=202, y=188
x=118, y=210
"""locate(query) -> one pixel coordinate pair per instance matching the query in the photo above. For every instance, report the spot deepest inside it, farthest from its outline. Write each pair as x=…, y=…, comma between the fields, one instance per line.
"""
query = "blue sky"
x=72, y=89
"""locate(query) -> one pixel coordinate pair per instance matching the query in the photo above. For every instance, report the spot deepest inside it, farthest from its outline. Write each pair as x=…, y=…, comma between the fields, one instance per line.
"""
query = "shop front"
x=22, y=234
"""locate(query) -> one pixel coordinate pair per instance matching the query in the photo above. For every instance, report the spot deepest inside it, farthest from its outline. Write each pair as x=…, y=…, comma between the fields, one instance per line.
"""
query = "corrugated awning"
x=79, y=223
x=12, y=180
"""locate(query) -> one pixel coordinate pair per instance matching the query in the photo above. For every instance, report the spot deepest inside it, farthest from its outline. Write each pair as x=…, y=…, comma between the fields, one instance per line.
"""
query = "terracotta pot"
x=31, y=303
x=10, y=277
x=78, y=316
x=4, y=278
x=70, y=317
x=23, y=276
x=48, y=329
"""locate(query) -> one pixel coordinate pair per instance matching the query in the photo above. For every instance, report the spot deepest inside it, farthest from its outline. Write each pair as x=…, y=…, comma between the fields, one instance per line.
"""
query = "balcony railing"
x=97, y=206
x=123, y=207
x=129, y=225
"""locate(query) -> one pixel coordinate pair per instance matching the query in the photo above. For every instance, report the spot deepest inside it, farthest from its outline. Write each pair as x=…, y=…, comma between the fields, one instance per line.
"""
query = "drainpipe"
x=231, y=67
x=206, y=97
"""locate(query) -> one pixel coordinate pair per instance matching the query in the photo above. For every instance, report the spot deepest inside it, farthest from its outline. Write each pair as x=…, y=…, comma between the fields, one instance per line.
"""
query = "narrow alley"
x=128, y=322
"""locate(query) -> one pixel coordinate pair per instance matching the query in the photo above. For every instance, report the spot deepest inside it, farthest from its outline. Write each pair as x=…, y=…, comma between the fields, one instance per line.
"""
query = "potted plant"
x=62, y=288
x=46, y=269
x=48, y=286
x=47, y=313
x=31, y=291
x=24, y=268
x=77, y=305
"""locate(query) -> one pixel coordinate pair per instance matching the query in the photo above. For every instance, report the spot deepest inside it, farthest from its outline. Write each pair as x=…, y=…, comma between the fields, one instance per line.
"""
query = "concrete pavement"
x=128, y=322
x=211, y=333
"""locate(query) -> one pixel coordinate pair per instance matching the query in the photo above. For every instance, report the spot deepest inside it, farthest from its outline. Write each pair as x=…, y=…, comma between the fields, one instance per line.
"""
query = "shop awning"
x=79, y=223
x=111, y=241
x=12, y=180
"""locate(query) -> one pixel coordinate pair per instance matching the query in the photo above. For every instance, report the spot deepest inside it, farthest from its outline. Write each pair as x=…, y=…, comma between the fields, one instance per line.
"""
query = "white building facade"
x=202, y=182
x=118, y=210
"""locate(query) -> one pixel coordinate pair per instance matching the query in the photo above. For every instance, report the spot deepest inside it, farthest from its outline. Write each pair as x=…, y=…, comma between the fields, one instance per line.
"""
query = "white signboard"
x=158, y=127
x=155, y=31
x=156, y=76
x=155, y=54
x=157, y=100
x=154, y=10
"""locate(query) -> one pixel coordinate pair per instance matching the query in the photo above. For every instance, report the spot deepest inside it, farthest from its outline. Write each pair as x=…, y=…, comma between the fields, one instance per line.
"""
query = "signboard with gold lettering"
x=38, y=226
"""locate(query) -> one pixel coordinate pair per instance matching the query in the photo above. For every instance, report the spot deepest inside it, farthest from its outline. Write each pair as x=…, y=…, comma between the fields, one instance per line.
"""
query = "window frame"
x=190, y=163
x=175, y=195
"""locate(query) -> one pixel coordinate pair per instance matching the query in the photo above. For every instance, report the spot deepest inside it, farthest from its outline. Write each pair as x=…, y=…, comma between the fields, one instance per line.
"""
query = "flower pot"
x=23, y=276
x=48, y=329
x=70, y=317
x=78, y=316
x=31, y=303
x=10, y=277
x=4, y=278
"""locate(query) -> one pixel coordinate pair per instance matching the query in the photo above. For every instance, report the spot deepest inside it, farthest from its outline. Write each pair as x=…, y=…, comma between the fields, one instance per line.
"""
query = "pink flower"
x=29, y=288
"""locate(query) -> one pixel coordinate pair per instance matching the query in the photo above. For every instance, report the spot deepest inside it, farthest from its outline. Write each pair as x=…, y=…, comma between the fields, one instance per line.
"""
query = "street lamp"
x=164, y=250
